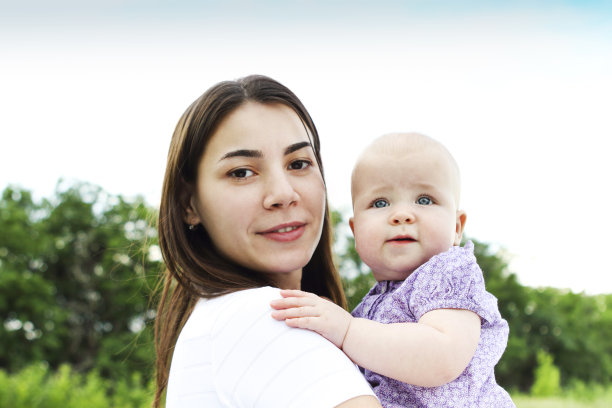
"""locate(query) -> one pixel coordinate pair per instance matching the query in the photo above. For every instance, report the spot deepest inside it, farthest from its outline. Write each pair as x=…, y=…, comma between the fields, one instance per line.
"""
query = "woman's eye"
x=241, y=173
x=299, y=164
x=424, y=200
x=380, y=203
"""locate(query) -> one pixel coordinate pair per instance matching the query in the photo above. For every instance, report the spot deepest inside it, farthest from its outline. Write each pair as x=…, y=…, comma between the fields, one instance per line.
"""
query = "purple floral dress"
x=451, y=280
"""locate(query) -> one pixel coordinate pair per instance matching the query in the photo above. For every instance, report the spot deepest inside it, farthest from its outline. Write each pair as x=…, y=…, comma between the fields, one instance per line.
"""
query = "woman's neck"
x=288, y=280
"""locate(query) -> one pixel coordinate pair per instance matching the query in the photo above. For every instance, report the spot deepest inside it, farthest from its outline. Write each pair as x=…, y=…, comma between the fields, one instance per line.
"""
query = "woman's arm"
x=429, y=353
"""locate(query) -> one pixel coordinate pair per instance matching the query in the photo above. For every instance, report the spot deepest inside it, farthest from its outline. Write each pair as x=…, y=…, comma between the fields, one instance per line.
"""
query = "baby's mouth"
x=402, y=238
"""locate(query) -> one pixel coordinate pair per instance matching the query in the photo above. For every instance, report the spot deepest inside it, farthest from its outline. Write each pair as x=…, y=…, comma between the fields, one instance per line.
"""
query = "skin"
x=405, y=199
x=260, y=194
x=261, y=197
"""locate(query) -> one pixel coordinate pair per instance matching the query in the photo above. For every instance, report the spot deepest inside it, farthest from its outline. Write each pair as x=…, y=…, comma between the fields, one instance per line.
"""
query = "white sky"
x=521, y=95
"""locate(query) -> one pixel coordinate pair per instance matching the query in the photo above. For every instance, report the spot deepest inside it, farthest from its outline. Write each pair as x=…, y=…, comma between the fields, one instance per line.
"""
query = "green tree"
x=27, y=299
x=516, y=365
x=583, y=328
x=76, y=273
x=547, y=377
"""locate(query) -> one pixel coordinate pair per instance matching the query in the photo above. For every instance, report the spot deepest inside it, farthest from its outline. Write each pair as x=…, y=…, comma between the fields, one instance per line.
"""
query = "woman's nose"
x=280, y=192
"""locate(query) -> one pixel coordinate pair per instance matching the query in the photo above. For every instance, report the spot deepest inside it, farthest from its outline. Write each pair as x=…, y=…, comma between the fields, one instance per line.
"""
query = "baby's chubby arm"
x=306, y=310
x=429, y=353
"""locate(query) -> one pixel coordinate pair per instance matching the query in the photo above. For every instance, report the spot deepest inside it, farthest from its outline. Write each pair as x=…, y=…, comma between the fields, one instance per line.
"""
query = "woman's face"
x=259, y=193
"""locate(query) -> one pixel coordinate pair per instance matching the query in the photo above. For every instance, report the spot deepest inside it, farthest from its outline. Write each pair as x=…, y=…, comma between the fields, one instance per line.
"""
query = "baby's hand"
x=308, y=311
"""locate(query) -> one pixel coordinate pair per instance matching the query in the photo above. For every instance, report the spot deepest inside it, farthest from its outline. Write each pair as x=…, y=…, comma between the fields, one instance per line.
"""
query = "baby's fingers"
x=302, y=323
x=296, y=293
x=294, y=312
x=288, y=302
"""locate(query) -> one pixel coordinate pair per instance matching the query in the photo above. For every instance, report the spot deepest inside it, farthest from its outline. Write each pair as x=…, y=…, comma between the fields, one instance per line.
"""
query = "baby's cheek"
x=366, y=251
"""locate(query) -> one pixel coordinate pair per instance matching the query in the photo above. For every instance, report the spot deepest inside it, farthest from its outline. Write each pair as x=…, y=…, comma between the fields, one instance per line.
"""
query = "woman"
x=244, y=212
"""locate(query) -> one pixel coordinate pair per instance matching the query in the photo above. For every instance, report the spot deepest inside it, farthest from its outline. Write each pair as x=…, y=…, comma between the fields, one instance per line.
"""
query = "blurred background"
x=90, y=93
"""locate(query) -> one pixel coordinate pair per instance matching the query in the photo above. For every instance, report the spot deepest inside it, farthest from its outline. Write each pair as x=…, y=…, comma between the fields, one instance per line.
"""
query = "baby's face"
x=405, y=209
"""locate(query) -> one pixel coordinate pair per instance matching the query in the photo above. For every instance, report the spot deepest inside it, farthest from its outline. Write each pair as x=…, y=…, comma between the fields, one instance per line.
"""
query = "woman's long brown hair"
x=193, y=268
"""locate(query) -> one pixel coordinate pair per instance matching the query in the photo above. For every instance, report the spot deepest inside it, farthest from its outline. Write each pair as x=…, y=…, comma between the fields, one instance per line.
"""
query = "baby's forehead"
x=402, y=151
x=404, y=148
x=394, y=144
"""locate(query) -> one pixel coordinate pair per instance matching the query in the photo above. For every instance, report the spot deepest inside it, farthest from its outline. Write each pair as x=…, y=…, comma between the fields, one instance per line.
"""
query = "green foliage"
x=75, y=280
x=515, y=369
x=357, y=288
x=525, y=401
x=581, y=391
x=547, y=377
x=576, y=395
x=36, y=386
x=573, y=328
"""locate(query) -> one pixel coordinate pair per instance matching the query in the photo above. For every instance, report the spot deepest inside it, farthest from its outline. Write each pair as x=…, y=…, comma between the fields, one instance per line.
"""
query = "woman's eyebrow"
x=295, y=147
x=242, y=153
x=259, y=154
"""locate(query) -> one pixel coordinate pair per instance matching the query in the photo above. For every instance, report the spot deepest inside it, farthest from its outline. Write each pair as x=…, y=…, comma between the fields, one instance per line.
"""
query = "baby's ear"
x=352, y=226
x=459, y=225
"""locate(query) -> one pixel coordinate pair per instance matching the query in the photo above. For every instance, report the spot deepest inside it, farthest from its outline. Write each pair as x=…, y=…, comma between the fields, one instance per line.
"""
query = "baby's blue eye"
x=380, y=203
x=424, y=200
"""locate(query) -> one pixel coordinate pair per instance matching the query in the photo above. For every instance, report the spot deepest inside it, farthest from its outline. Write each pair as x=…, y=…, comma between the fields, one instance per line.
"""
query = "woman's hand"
x=306, y=310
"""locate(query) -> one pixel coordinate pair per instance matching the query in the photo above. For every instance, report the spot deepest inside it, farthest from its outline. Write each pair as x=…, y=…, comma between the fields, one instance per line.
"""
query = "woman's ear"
x=191, y=214
x=459, y=225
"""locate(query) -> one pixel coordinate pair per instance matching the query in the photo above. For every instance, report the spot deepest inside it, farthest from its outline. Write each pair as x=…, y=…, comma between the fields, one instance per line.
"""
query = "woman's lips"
x=285, y=232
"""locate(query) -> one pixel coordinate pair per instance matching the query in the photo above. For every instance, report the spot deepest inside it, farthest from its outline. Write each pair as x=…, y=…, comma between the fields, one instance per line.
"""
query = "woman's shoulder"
x=253, y=357
x=255, y=296
x=240, y=303
x=227, y=311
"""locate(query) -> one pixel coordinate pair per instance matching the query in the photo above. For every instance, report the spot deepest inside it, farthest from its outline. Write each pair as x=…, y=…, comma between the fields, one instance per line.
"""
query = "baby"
x=427, y=334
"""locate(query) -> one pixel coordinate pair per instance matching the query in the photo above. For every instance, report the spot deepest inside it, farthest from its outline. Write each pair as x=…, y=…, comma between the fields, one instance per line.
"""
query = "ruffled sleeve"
x=451, y=280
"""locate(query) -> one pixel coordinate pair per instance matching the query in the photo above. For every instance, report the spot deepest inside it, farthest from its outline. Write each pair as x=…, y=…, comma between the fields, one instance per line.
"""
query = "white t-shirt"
x=232, y=353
